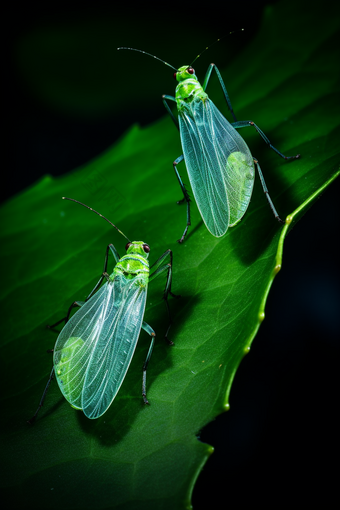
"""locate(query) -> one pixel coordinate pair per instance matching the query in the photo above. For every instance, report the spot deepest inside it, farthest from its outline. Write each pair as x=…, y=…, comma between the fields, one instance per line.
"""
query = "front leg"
x=168, y=109
x=186, y=197
x=158, y=269
x=226, y=95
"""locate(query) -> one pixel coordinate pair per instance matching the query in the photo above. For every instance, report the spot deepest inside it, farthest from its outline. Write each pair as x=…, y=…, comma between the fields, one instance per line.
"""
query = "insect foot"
x=293, y=157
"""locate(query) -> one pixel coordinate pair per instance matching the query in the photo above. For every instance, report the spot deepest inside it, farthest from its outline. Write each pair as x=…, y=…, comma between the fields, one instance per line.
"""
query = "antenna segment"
x=146, y=53
x=217, y=40
x=77, y=201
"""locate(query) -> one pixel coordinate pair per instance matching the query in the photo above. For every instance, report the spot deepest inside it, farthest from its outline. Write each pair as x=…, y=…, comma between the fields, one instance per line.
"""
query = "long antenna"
x=146, y=53
x=217, y=40
x=77, y=201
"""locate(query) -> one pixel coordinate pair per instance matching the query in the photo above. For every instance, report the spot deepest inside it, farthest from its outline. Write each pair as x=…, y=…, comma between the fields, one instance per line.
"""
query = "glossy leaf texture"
x=149, y=457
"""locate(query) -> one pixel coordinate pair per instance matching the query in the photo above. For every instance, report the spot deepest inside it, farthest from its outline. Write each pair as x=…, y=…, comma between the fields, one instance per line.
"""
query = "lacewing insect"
x=220, y=166
x=94, y=349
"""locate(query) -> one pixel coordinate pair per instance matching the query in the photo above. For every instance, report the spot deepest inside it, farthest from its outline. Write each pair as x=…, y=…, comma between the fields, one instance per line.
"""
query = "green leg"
x=250, y=123
x=265, y=189
x=66, y=318
x=168, y=109
x=205, y=84
x=157, y=271
x=114, y=253
x=151, y=332
x=41, y=403
x=161, y=269
x=186, y=197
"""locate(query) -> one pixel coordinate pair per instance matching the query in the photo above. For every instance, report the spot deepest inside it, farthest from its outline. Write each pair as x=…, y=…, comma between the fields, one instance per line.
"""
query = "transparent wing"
x=94, y=350
x=114, y=351
x=219, y=163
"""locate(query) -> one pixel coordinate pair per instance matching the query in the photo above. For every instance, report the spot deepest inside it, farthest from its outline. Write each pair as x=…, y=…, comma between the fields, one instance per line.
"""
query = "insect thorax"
x=189, y=89
x=132, y=265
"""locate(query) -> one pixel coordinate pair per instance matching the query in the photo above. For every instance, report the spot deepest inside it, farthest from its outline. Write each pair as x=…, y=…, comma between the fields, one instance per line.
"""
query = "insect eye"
x=146, y=248
x=191, y=70
x=175, y=76
x=127, y=246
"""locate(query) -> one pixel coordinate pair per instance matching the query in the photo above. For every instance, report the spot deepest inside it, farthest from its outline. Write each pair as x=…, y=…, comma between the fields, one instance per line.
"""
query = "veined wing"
x=94, y=350
x=219, y=163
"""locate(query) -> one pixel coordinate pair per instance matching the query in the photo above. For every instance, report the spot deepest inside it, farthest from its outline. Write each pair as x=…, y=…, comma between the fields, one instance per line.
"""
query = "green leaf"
x=149, y=457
